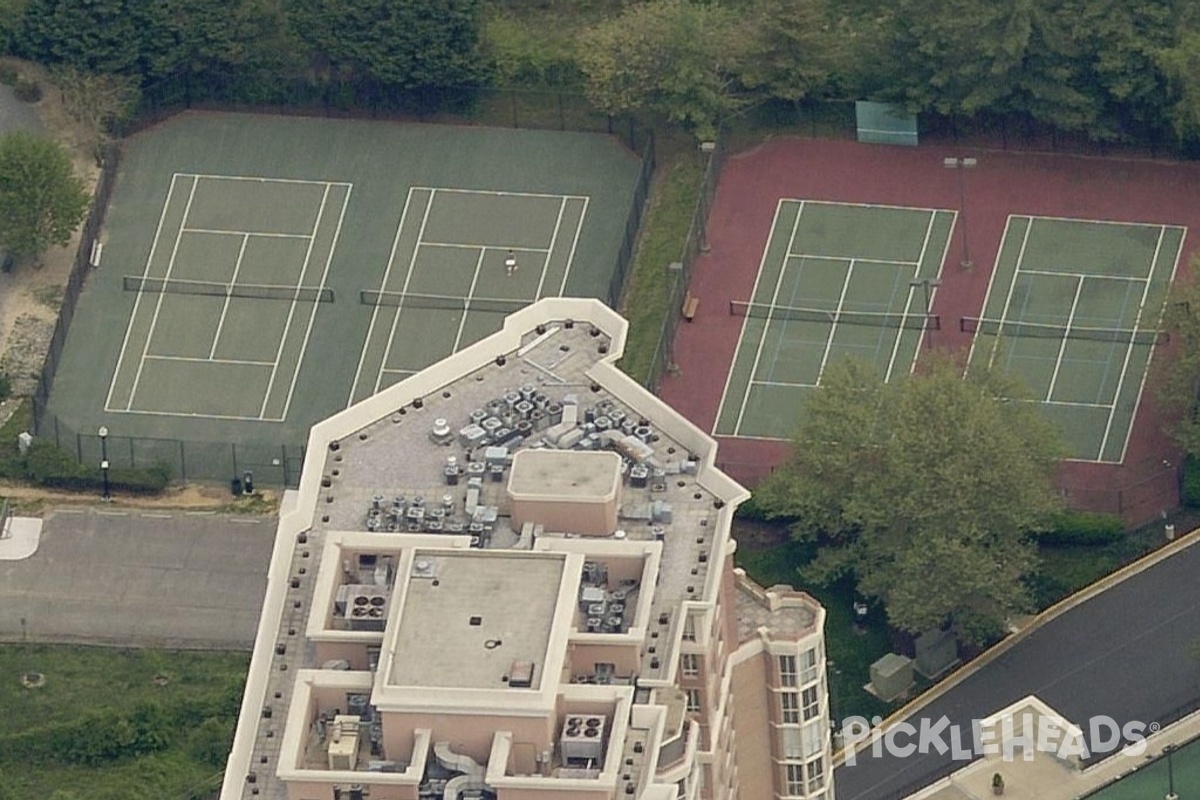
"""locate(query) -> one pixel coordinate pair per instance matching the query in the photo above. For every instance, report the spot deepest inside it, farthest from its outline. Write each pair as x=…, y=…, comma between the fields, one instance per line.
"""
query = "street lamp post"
x=961, y=165
x=929, y=285
x=107, y=496
x=1168, y=749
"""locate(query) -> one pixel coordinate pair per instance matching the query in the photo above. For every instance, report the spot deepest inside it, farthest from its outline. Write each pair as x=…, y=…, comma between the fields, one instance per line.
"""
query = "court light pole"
x=961, y=165
x=103, y=432
x=929, y=284
x=1168, y=750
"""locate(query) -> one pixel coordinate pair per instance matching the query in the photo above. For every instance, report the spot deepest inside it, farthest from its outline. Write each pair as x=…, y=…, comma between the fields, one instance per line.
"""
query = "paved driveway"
x=172, y=579
x=1130, y=653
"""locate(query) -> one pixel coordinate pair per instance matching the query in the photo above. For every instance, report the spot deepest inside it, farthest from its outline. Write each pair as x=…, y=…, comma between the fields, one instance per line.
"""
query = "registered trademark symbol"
x=1154, y=726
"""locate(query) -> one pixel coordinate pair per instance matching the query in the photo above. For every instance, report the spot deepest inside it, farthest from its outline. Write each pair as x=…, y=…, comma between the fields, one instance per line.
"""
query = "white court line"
x=1051, y=273
x=785, y=384
x=562, y=207
x=197, y=359
x=1062, y=345
x=1073, y=403
x=861, y=205
x=462, y=323
x=192, y=415
x=158, y=303
x=562, y=286
x=312, y=312
x=767, y=325
x=987, y=296
x=257, y=179
x=742, y=334
x=1157, y=324
x=394, y=371
x=137, y=301
x=287, y=325
x=1137, y=321
x=1012, y=287
x=833, y=328
x=937, y=277
x=884, y=261
x=412, y=261
x=375, y=311
x=1114, y=222
x=237, y=267
x=460, y=246
x=495, y=193
x=887, y=376
x=247, y=233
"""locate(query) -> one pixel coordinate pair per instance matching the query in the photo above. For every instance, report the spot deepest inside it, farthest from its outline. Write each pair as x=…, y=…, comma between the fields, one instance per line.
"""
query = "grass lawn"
x=673, y=194
x=850, y=649
x=116, y=724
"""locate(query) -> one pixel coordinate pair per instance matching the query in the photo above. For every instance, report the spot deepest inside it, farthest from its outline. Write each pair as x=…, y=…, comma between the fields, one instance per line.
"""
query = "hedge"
x=48, y=465
x=1191, y=481
x=1082, y=529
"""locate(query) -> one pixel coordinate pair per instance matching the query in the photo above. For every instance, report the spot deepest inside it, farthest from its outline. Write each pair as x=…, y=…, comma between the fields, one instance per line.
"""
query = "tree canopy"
x=1178, y=374
x=924, y=490
x=42, y=201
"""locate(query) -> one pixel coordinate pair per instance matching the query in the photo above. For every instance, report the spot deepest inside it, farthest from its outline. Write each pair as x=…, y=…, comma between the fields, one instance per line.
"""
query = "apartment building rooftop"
x=489, y=574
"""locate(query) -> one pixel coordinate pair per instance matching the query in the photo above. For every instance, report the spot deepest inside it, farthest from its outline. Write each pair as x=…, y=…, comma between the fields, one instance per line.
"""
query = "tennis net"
x=1038, y=330
x=253, y=291
x=881, y=319
x=440, y=301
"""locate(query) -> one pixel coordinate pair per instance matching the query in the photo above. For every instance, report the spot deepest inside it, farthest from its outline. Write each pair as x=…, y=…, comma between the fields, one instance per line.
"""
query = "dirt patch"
x=192, y=497
x=31, y=293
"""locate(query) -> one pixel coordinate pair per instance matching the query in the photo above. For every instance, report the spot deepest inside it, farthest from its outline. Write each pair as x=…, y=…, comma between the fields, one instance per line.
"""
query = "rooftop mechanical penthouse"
x=511, y=576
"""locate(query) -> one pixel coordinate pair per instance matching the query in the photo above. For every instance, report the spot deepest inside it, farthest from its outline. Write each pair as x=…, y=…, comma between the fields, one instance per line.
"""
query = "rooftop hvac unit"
x=582, y=738
x=365, y=607
x=343, y=742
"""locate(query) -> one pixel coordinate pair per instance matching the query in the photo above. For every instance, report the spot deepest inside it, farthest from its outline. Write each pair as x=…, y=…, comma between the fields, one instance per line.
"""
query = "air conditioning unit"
x=582, y=738
x=365, y=606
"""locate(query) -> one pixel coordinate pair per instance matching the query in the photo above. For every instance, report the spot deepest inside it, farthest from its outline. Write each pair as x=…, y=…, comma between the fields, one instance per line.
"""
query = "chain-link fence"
x=681, y=271
x=1139, y=492
x=280, y=464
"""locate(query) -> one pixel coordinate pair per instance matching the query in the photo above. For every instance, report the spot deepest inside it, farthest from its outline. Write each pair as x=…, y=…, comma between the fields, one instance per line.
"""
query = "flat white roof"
x=465, y=627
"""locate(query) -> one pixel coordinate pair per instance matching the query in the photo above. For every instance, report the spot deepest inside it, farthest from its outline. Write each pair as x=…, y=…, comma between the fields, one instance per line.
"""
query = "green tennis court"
x=257, y=274
x=1073, y=309
x=836, y=280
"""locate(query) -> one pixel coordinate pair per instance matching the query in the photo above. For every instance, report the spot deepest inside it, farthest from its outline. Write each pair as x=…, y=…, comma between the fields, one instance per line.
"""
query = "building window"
x=789, y=702
x=787, y=670
x=690, y=664
x=689, y=629
x=693, y=700
x=816, y=775
x=810, y=703
x=808, y=666
x=795, y=779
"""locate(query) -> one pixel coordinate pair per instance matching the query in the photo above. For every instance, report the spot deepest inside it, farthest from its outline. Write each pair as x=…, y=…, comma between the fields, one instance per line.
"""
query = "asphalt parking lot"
x=172, y=579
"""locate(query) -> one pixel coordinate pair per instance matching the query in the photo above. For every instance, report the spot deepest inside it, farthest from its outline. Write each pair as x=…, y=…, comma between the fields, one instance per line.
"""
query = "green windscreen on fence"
x=880, y=123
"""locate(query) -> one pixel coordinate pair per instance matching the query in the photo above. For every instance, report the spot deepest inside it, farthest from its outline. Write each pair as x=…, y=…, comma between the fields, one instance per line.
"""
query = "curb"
x=1180, y=544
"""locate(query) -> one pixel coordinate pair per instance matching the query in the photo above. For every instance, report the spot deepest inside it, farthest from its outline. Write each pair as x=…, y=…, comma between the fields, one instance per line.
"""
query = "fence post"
x=79, y=447
x=284, y=461
x=233, y=455
x=182, y=462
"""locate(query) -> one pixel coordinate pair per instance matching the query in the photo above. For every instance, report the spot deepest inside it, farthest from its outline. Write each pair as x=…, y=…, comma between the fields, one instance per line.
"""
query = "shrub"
x=27, y=90
x=5, y=387
x=53, y=467
x=1082, y=529
x=1191, y=481
x=9, y=74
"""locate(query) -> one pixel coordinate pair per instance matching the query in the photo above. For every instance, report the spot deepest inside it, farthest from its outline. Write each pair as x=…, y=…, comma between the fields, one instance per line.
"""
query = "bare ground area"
x=31, y=294
x=32, y=500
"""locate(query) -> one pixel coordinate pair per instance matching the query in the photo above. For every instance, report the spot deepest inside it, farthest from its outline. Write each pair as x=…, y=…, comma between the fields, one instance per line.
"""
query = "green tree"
x=672, y=57
x=1180, y=65
x=397, y=42
x=924, y=490
x=795, y=50
x=103, y=36
x=1177, y=375
x=42, y=200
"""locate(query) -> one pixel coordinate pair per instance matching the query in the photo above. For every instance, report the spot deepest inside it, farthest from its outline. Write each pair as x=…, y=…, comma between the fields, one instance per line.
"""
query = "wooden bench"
x=690, y=304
